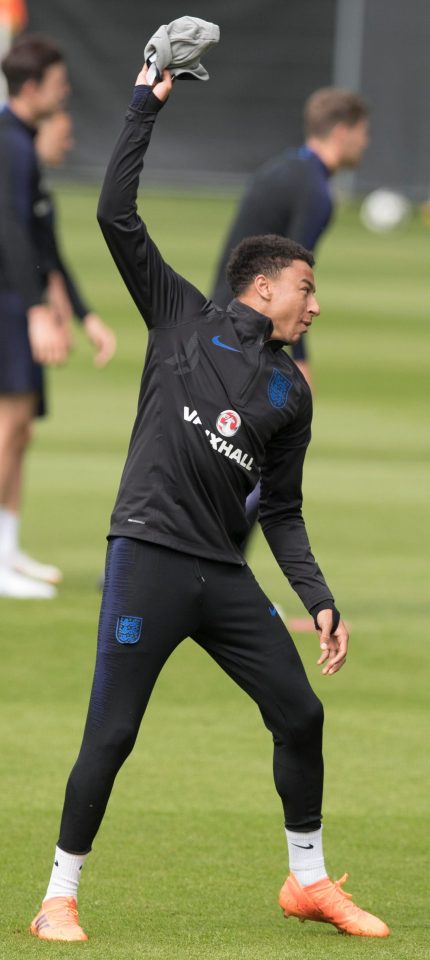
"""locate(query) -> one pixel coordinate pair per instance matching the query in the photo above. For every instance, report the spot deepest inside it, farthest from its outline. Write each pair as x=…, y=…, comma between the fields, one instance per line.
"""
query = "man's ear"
x=263, y=286
x=29, y=87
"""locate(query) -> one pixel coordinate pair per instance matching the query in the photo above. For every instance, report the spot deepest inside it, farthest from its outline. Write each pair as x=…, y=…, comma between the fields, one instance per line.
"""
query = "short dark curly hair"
x=267, y=254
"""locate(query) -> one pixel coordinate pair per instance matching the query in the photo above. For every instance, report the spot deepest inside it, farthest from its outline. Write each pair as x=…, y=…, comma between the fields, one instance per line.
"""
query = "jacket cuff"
x=144, y=100
x=325, y=605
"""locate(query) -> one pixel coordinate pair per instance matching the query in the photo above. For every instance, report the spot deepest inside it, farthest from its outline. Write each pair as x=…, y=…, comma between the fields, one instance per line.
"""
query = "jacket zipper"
x=254, y=373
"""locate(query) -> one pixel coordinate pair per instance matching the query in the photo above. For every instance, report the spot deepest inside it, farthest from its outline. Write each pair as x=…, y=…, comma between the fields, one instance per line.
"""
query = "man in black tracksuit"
x=220, y=403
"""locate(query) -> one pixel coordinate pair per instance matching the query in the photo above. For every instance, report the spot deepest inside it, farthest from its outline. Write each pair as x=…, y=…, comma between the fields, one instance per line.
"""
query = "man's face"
x=292, y=306
x=50, y=93
x=353, y=142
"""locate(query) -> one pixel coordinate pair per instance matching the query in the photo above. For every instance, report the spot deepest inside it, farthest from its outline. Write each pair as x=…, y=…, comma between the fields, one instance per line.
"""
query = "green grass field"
x=191, y=854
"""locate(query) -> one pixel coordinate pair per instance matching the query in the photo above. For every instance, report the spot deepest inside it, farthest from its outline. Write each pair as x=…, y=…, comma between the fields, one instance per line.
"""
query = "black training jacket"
x=219, y=406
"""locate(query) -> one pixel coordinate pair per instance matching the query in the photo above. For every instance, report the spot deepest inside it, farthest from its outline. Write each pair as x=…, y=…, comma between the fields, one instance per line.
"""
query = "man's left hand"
x=334, y=646
x=162, y=88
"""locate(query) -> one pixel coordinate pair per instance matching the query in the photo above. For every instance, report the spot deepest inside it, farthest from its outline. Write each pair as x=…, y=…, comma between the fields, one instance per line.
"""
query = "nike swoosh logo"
x=309, y=846
x=273, y=611
x=218, y=343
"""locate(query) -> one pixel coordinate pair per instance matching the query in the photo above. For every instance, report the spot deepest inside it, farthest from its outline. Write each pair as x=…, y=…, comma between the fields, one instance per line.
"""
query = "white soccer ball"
x=384, y=210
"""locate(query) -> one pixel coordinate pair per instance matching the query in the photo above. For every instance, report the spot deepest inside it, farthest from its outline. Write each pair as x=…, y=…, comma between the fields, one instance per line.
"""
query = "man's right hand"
x=49, y=340
x=162, y=88
x=334, y=646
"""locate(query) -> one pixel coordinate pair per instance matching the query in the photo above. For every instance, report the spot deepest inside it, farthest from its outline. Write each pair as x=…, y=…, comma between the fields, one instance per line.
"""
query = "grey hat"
x=178, y=47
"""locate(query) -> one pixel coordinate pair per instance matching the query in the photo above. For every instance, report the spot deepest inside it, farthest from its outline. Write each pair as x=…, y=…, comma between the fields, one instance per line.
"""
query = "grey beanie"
x=178, y=47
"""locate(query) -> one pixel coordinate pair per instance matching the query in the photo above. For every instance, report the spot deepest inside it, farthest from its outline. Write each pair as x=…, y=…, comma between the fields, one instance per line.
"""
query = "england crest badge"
x=278, y=389
x=128, y=629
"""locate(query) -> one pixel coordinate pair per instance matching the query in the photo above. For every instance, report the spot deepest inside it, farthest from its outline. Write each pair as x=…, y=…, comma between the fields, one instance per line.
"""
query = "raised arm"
x=161, y=295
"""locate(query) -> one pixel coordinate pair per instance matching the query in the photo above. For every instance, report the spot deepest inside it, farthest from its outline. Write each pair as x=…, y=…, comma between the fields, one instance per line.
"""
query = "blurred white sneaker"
x=15, y=585
x=24, y=564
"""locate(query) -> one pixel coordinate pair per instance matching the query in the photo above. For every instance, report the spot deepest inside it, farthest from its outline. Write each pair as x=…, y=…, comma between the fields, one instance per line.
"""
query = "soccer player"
x=290, y=194
x=220, y=403
x=32, y=331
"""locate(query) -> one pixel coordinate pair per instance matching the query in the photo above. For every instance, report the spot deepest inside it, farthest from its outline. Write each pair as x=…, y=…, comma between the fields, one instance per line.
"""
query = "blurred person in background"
x=13, y=19
x=33, y=330
x=290, y=195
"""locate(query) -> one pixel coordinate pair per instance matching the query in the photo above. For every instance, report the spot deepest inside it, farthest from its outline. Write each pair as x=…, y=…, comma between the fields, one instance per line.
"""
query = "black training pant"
x=153, y=598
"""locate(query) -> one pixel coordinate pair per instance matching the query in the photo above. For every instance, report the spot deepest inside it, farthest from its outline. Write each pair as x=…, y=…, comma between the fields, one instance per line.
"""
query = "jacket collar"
x=252, y=327
x=8, y=113
x=305, y=152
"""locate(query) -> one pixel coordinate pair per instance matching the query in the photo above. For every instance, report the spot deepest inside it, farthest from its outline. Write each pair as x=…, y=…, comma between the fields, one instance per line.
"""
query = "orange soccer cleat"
x=327, y=902
x=58, y=920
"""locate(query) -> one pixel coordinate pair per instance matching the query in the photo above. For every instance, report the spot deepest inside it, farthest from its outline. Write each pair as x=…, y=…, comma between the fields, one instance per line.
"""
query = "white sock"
x=9, y=534
x=66, y=874
x=306, y=857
